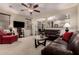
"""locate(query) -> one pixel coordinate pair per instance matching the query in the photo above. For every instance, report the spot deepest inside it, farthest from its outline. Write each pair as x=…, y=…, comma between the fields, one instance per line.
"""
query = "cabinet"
x=20, y=32
x=52, y=33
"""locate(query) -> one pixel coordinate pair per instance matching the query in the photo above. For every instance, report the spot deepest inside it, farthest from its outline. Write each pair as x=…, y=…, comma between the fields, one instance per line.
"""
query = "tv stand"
x=20, y=32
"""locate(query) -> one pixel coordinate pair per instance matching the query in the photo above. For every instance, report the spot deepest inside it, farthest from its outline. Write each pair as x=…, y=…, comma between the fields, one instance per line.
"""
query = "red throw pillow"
x=67, y=36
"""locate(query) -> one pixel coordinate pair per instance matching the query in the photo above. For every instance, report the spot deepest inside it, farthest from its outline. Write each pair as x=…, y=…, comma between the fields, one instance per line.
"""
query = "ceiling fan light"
x=30, y=10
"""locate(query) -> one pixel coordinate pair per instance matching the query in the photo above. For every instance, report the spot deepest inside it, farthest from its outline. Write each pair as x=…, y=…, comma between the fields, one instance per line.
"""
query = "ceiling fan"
x=30, y=7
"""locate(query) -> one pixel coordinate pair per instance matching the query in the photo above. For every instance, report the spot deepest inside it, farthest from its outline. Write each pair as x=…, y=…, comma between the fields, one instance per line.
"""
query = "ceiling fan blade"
x=37, y=11
x=24, y=4
x=35, y=6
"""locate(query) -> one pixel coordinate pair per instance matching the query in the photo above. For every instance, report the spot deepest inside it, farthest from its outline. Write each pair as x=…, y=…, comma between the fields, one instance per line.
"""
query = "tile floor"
x=24, y=46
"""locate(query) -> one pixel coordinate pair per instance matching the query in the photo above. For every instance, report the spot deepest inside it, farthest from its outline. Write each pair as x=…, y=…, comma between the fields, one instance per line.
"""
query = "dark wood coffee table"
x=40, y=41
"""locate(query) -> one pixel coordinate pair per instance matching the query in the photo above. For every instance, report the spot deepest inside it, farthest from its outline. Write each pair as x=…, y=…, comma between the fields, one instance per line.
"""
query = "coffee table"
x=40, y=41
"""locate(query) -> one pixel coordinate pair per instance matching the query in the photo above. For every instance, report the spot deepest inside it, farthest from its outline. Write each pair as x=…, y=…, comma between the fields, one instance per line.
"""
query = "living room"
x=24, y=24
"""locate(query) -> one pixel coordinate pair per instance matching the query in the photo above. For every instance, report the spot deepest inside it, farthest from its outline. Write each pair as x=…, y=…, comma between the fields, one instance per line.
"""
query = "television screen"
x=18, y=24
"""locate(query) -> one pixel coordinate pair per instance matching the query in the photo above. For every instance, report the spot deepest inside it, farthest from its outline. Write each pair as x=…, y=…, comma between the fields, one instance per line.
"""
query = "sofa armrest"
x=56, y=49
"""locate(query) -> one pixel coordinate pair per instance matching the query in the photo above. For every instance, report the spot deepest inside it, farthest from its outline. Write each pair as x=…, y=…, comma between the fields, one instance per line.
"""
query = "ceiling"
x=46, y=9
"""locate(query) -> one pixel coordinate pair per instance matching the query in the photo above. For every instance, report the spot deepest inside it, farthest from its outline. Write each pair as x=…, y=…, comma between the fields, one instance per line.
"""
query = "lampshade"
x=30, y=10
x=67, y=25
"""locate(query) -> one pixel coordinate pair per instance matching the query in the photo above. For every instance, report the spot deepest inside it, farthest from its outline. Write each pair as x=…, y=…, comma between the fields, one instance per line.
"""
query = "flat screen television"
x=18, y=24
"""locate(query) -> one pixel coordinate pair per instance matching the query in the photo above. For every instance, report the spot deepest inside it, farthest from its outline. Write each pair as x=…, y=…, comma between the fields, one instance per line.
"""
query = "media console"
x=19, y=26
x=52, y=33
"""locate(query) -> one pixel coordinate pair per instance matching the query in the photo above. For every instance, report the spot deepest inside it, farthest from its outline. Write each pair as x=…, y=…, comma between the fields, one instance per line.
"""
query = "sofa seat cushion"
x=56, y=49
x=60, y=41
x=67, y=36
x=9, y=38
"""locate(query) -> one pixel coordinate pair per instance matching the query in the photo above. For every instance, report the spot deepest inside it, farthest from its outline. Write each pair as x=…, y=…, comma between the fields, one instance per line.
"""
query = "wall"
x=34, y=26
x=78, y=17
x=74, y=22
x=22, y=19
x=73, y=19
x=16, y=17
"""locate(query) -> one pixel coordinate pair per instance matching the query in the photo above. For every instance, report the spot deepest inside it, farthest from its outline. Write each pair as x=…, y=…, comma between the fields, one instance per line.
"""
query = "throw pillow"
x=67, y=36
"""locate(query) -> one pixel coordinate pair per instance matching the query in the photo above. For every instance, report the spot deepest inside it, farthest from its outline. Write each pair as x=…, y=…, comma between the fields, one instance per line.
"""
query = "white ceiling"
x=45, y=8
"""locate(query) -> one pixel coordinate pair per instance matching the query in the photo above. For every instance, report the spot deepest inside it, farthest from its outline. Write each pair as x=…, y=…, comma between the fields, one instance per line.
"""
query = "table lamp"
x=67, y=25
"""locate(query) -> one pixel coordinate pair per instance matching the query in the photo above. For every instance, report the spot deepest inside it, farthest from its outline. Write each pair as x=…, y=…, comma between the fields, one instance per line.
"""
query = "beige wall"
x=22, y=19
x=16, y=17
x=73, y=18
x=78, y=17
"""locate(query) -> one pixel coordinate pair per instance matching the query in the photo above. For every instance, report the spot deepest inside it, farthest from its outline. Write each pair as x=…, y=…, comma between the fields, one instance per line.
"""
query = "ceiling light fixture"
x=31, y=7
x=30, y=10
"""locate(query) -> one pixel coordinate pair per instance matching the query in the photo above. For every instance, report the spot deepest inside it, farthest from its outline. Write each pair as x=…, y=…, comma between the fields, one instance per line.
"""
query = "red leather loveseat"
x=7, y=39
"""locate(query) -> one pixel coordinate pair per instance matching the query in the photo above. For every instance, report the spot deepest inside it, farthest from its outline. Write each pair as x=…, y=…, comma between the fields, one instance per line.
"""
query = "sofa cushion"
x=67, y=36
x=60, y=41
x=74, y=45
x=9, y=38
x=56, y=49
x=72, y=38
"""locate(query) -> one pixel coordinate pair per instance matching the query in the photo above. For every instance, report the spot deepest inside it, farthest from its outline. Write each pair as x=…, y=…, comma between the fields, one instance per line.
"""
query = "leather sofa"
x=7, y=38
x=61, y=47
